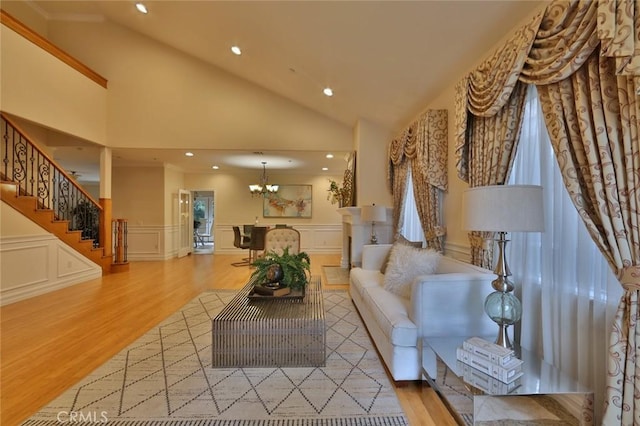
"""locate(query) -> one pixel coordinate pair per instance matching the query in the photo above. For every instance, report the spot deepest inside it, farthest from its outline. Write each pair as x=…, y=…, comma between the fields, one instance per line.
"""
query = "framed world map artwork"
x=289, y=201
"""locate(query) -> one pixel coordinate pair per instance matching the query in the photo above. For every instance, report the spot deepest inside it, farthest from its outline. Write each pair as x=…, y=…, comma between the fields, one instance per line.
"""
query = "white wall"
x=26, y=14
x=14, y=223
x=139, y=195
x=33, y=261
x=74, y=104
x=371, y=142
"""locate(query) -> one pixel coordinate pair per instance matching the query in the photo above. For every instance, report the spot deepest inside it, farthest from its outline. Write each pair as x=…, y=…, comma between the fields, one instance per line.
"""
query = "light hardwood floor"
x=50, y=342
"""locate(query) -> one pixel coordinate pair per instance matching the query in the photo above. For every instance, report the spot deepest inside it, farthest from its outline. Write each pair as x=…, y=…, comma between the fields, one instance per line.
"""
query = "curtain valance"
x=490, y=85
x=619, y=32
x=550, y=48
x=566, y=38
x=424, y=142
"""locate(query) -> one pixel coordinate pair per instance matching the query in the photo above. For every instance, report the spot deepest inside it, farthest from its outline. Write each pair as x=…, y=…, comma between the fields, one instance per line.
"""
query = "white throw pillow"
x=405, y=264
x=400, y=239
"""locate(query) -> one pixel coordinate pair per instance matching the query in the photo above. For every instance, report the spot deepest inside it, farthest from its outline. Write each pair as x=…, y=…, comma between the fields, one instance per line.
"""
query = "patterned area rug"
x=166, y=378
x=335, y=275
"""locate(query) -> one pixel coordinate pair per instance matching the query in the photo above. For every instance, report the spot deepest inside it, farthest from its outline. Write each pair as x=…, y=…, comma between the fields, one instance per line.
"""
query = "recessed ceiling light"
x=189, y=154
x=141, y=8
x=324, y=169
x=327, y=91
x=329, y=155
x=236, y=50
x=215, y=167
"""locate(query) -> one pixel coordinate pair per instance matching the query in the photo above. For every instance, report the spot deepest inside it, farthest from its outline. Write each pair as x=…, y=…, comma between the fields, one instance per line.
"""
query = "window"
x=569, y=293
x=411, y=226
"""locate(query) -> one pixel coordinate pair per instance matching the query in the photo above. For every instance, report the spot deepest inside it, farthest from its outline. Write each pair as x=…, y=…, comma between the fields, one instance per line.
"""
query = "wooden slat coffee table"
x=278, y=332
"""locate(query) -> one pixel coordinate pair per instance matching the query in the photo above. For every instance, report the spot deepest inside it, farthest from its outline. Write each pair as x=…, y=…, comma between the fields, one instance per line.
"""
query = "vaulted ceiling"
x=384, y=60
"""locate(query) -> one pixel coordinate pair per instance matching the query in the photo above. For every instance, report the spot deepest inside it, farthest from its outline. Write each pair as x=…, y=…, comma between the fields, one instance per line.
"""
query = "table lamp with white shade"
x=502, y=209
x=374, y=214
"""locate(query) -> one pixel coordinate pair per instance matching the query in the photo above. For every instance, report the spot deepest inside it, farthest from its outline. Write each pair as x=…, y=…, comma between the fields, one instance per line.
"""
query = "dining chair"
x=205, y=235
x=197, y=237
x=279, y=238
x=246, y=232
x=239, y=242
x=256, y=244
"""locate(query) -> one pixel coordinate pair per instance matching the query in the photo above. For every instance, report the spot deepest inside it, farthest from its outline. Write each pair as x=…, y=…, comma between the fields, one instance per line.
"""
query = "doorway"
x=203, y=221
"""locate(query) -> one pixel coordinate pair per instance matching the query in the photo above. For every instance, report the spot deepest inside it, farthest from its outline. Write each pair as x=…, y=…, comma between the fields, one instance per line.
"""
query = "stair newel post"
x=120, y=262
x=104, y=227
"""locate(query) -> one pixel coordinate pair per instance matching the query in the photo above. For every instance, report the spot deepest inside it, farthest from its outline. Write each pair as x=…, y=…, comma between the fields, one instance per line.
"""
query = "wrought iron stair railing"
x=38, y=175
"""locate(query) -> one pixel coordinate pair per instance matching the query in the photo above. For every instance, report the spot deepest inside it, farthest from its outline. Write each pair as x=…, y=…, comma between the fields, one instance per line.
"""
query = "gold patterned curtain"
x=349, y=182
x=486, y=90
x=619, y=33
x=585, y=61
x=492, y=148
x=423, y=148
x=593, y=119
x=489, y=107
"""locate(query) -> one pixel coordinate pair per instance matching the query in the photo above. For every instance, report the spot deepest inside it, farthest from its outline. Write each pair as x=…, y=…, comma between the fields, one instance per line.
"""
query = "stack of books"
x=492, y=360
x=271, y=291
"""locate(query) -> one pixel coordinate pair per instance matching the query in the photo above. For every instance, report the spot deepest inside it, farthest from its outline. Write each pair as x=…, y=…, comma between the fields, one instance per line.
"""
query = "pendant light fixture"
x=263, y=188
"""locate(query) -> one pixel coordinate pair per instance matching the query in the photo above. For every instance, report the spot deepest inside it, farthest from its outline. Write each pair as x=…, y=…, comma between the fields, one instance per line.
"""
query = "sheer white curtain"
x=411, y=228
x=568, y=292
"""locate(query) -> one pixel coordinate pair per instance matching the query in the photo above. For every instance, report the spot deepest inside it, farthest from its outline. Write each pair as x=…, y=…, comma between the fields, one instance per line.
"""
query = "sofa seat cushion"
x=391, y=313
x=363, y=278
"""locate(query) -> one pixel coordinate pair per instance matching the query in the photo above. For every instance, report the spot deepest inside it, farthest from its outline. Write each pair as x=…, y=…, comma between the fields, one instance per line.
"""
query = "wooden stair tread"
x=28, y=206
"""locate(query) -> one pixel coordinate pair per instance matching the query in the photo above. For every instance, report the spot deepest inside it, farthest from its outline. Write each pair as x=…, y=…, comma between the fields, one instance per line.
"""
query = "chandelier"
x=263, y=188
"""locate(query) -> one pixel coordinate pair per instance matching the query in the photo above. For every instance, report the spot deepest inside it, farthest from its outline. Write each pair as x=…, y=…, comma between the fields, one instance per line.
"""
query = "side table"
x=543, y=393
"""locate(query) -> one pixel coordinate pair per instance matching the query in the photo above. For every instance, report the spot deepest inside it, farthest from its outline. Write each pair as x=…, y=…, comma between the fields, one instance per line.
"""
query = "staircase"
x=33, y=184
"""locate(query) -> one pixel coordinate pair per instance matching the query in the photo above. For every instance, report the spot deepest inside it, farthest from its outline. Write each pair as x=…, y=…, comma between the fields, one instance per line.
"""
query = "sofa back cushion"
x=449, y=265
x=375, y=255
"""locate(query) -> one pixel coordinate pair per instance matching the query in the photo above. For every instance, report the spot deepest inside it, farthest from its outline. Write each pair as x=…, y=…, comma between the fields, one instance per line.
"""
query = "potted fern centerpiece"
x=284, y=270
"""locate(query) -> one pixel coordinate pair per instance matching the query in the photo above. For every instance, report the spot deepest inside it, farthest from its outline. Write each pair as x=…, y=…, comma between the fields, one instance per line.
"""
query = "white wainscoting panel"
x=147, y=243
x=171, y=242
x=329, y=240
x=36, y=264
